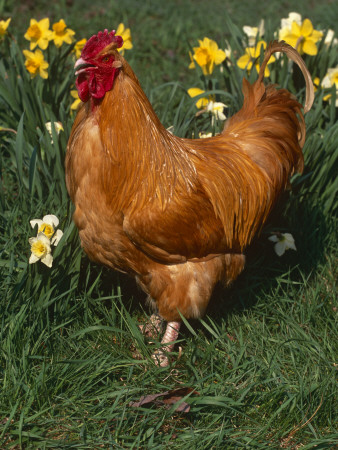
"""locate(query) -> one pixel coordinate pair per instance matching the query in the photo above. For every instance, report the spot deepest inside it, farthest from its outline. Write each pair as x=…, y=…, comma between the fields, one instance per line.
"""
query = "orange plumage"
x=178, y=213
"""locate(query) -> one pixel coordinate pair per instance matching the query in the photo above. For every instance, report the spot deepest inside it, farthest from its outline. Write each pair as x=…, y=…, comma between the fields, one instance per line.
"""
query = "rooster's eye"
x=105, y=59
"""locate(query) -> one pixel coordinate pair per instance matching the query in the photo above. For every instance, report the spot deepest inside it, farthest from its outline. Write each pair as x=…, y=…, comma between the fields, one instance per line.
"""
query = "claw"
x=153, y=327
x=160, y=356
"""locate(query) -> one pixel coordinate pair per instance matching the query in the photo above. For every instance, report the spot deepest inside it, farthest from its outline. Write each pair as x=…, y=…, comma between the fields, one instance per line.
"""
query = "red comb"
x=99, y=41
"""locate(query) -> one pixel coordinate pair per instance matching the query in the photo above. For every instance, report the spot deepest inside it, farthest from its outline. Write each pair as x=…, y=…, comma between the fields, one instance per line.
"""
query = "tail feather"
x=281, y=46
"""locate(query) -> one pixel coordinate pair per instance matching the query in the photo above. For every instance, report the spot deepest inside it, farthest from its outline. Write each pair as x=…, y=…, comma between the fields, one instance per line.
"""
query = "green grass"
x=72, y=359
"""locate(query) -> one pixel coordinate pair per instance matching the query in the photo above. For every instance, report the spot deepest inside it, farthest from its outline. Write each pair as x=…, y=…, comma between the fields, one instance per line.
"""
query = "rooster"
x=177, y=214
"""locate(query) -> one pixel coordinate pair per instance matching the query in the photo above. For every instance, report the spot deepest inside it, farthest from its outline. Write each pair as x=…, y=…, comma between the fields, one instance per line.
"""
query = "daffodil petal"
x=219, y=56
x=57, y=237
x=51, y=220
x=243, y=61
x=280, y=248
x=35, y=222
x=309, y=47
x=306, y=29
x=120, y=29
x=289, y=241
x=195, y=91
x=47, y=260
x=291, y=39
x=44, y=23
x=295, y=29
x=42, y=237
x=33, y=259
x=316, y=35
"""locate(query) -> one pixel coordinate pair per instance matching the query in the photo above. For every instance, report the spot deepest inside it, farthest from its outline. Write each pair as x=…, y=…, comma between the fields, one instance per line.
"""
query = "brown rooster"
x=175, y=213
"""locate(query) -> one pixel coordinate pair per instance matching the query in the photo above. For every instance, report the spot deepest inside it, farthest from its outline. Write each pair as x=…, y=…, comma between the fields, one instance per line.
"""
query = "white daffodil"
x=253, y=33
x=47, y=225
x=283, y=242
x=40, y=248
x=216, y=109
x=58, y=127
x=56, y=238
x=286, y=26
x=203, y=135
x=329, y=38
x=331, y=79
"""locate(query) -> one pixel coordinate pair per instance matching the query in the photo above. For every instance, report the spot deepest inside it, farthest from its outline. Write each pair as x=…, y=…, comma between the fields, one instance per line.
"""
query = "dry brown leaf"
x=167, y=398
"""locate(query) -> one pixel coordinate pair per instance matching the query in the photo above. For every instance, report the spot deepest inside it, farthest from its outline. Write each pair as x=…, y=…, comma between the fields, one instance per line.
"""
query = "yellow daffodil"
x=41, y=250
x=303, y=37
x=287, y=23
x=126, y=36
x=283, y=242
x=46, y=225
x=331, y=79
x=38, y=34
x=62, y=34
x=203, y=101
x=251, y=58
x=77, y=100
x=207, y=55
x=3, y=26
x=35, y=63
x=78, y=47
x=316, y=83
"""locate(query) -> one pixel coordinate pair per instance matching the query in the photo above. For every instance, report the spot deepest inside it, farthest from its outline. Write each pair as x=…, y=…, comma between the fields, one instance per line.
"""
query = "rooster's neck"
x=139, y=146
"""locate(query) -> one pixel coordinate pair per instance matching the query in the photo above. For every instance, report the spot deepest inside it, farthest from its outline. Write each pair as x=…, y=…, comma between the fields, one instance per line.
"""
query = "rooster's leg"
x=153, y=327
x=168, y=342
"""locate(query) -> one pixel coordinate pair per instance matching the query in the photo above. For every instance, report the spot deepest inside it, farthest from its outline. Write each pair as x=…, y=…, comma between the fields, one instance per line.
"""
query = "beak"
x=81, y=65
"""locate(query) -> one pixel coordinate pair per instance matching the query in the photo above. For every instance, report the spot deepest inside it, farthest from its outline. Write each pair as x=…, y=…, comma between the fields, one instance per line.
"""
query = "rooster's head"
x=98, y=65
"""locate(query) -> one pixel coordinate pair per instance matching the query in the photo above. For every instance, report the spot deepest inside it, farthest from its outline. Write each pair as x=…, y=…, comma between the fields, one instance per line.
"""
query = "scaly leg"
x=170, y=336
x=153, y=326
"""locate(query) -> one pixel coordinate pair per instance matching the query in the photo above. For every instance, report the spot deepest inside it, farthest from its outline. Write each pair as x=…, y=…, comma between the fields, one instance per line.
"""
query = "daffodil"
x=283, y=242
x=330, y=38
x=3, y=26
x=287, y=23
x=216, y=109
x=41, y=250
x=78, y=47
x=303, y=37
x=253, y=33
x=62, y=34
x=316, y=83
x=331, y=79
x=77, y=100
x=251, y=58
x=46, y=225
x=126, y=36
x=203, y=101
x=36, y=64
x=38, y=34
x=207, y=55
x=58, y=127
x=204, y=135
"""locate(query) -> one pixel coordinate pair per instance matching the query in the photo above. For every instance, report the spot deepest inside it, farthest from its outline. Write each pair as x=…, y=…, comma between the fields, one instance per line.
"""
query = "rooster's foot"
x=160, y=356
x=153, y=327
